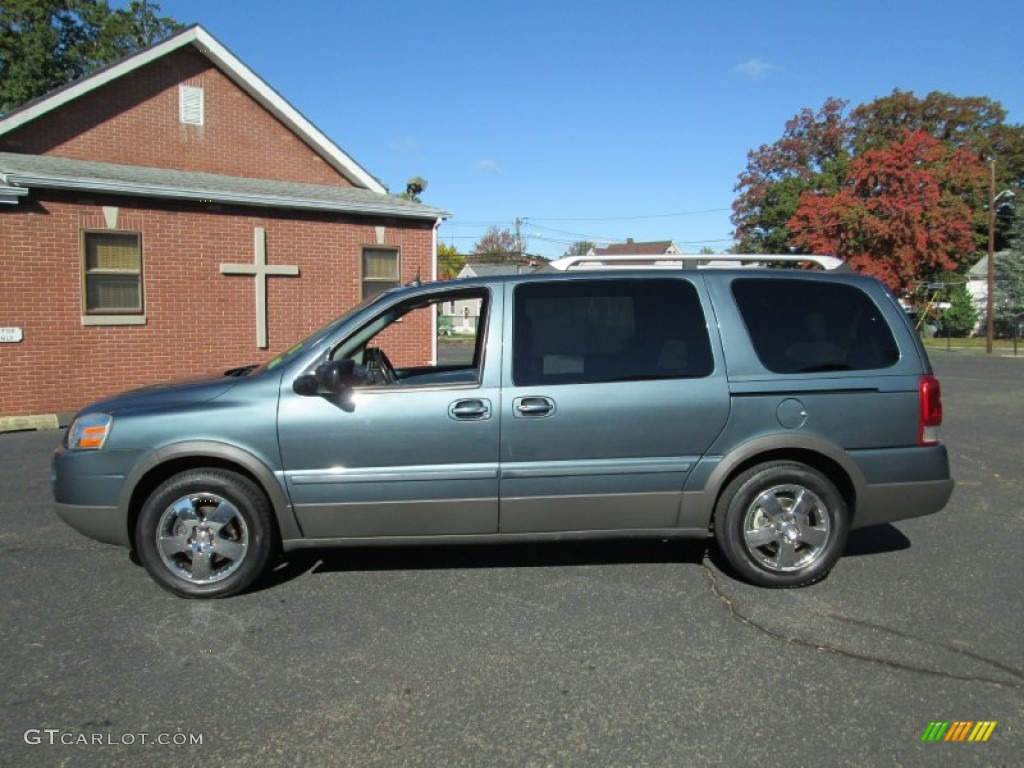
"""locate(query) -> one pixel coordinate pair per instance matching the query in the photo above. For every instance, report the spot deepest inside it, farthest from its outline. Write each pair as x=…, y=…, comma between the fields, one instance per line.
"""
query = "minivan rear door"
x=613, y=390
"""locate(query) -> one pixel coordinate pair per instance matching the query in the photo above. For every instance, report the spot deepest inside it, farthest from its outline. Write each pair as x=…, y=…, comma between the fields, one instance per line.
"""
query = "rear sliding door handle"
x=470, y=410
x=534, y=407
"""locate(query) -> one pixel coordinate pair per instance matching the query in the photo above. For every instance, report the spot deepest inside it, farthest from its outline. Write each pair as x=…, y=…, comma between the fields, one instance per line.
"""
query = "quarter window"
x=380, y=271
x=608, y=330
x=113, y=273
x=808, y=326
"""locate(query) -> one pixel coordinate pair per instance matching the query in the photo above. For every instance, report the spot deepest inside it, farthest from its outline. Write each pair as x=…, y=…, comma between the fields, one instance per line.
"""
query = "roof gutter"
x=10, y=195
x=76, y=184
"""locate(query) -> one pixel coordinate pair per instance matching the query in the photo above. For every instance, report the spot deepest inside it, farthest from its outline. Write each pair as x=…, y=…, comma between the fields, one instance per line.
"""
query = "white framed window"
x=112, y=273
x=381, y=270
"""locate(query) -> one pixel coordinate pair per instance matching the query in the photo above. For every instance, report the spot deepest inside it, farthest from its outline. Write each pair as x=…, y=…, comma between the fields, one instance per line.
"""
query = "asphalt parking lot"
x=600, y=654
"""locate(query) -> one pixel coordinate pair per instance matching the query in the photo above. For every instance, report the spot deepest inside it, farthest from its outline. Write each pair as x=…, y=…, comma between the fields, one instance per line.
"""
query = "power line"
x=632, y=218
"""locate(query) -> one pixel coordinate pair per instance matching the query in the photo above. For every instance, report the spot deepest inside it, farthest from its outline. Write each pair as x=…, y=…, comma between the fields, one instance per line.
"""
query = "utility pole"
x=519, y=240
x=990, y=327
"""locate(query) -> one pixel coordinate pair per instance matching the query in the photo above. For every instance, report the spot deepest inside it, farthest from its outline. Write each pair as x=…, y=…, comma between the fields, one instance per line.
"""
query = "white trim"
x=113, y=319
x=242, y=76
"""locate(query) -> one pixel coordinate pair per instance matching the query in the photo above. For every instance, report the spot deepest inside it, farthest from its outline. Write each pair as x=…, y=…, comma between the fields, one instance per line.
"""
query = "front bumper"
x=106, y=524
x=87, y=486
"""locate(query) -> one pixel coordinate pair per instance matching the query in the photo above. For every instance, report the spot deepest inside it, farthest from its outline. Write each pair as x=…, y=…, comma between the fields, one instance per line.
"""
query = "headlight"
x=89, y=432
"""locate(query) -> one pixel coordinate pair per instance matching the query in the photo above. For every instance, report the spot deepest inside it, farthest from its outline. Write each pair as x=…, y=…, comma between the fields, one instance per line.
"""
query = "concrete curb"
x=35, y=422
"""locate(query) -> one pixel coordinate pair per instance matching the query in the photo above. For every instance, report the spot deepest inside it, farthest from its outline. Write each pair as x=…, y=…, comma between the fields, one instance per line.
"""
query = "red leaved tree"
x=904, y=215
x=811, y=155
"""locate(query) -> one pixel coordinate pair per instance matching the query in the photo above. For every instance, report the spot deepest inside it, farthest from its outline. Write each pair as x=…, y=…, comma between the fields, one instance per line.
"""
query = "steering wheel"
x=378, y=366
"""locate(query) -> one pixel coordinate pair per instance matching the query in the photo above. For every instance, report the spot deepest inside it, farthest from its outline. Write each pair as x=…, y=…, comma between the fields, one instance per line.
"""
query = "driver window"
x=397, y=347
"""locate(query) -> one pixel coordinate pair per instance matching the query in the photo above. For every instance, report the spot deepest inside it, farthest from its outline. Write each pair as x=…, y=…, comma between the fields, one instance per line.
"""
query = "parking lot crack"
x=938, y=644
x=738, y=615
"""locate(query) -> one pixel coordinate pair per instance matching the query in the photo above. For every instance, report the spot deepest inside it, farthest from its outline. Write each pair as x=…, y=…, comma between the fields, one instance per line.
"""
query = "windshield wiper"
x=241, y=371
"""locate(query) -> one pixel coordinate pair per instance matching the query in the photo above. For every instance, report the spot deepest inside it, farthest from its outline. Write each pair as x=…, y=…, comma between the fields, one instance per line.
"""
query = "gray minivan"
x=773, y=409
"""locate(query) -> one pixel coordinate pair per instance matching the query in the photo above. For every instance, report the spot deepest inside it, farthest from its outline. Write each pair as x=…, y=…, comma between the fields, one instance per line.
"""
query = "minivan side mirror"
x=331, y=377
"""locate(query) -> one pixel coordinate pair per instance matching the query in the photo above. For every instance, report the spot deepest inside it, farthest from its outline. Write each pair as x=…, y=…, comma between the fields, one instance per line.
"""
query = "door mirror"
x=331, y=377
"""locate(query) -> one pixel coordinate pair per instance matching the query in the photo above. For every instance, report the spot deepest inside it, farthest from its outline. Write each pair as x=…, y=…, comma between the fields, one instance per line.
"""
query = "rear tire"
x=781, y=524
x=205, y=533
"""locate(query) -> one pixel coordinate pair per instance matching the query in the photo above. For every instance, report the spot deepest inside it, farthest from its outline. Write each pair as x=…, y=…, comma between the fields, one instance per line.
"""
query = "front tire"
x=205, y=533
x=781, y=524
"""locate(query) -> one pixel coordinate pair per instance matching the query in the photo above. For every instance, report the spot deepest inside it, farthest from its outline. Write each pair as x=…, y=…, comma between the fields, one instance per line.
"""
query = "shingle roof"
x=18, y=171
x=492, y=270
x=207, y=45
x=980, y=270
x=634, y=249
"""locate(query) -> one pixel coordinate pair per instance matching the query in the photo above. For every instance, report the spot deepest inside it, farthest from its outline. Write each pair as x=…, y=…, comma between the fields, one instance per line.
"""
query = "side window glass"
x=397, y=348
x=570, y=332
x=808, y=326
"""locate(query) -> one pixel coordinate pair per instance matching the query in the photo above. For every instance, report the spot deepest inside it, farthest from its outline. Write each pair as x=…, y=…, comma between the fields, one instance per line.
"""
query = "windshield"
x=314, y=338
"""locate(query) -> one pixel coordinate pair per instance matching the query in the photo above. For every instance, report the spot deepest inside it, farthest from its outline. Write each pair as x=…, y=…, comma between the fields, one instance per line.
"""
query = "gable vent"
x=190, y=105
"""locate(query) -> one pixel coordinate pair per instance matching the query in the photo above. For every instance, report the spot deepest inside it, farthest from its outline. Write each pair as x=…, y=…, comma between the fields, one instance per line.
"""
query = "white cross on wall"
x=262, y=271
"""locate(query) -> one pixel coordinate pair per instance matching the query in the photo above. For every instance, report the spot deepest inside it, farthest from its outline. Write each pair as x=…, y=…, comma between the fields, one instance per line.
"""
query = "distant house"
x=633, y=248
x=461, y=316
x=977, y=286
x=172, y=215
x=490, y=270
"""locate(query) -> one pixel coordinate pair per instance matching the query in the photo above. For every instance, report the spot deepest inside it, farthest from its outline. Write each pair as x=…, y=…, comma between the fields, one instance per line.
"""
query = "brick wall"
x=134, y=120
x=198, y=320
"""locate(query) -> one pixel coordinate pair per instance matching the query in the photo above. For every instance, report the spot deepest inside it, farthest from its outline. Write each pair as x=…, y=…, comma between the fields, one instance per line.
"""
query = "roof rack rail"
x=693, y=261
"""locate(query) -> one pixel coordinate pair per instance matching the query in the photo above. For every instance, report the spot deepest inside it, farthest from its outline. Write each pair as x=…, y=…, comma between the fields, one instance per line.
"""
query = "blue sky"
x=599, y=120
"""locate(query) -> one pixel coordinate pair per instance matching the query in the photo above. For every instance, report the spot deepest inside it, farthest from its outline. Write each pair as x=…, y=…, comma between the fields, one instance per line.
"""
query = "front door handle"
x=534, y=407
x=470, y=410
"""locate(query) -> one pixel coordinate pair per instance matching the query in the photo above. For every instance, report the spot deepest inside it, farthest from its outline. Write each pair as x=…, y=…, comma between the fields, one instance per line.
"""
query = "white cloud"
x=488, y=166
x=755, y=68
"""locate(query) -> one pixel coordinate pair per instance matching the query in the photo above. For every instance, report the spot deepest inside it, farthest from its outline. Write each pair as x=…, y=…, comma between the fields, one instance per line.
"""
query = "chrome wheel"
x=786, y=528
x=781, y=524
x=202, y=538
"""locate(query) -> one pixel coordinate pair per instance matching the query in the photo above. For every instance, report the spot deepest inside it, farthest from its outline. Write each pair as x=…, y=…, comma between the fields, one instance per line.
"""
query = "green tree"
x=45, y=44
x=1009, y=293
x=579, y=248
x=498, y=245
x=449, y=262
x=812, y=154
x=962, y=316
x=957, y=121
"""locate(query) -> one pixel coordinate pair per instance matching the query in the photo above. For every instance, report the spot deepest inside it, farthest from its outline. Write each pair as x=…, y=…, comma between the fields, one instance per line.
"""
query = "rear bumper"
x=889, y=502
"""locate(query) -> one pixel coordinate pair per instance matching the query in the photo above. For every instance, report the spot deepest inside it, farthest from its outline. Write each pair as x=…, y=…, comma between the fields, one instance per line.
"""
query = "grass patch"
x=973, y=345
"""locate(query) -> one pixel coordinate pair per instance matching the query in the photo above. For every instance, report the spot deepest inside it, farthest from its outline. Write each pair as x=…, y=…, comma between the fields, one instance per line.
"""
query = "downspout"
x=433, y=277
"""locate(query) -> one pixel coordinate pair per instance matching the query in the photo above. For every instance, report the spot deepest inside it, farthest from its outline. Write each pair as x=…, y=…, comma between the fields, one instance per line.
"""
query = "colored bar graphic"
x=958, y=730
x=982, y=730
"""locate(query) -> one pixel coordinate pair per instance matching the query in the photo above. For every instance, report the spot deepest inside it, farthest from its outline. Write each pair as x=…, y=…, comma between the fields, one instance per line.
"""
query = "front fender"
x=192, y=453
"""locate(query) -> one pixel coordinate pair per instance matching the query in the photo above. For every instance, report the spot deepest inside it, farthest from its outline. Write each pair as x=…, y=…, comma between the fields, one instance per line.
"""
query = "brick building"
x=170, y=216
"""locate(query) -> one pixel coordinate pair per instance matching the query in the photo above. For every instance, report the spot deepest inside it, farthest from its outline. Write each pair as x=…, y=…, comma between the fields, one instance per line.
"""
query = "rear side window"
x=806, y=326
x=571, y=332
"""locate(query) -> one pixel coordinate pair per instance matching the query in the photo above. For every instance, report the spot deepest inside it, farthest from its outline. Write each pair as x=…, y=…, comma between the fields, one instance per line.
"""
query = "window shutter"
x=190, y=99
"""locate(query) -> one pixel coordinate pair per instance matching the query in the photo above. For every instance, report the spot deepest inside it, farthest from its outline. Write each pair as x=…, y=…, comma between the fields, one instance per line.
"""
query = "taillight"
x=930, y=397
